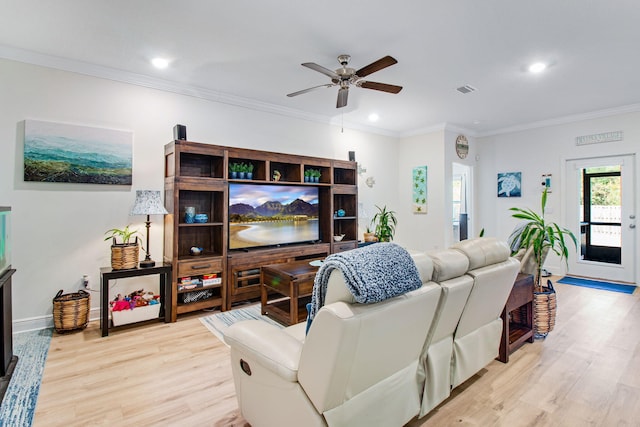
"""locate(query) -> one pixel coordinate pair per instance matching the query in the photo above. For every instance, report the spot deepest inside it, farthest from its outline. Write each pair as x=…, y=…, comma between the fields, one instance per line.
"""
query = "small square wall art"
x=420, y=190
x=56, y=152
x=509, y=184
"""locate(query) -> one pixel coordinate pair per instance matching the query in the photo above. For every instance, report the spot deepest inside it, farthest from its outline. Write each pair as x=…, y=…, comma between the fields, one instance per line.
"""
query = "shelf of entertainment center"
x=201, y=224
x=281, y=182
x=203, y=257
x=201, y=288
x=188, y=307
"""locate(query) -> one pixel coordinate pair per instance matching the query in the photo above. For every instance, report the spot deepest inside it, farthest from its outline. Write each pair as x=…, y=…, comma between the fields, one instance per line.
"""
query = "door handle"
x=632, y=226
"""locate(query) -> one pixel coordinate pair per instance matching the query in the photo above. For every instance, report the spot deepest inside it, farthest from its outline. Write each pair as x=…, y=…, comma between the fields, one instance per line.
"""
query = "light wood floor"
x=586, y=372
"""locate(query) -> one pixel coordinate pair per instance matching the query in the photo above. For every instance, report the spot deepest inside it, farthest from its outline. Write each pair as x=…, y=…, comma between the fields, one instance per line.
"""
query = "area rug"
x=218, y=323
x=596, y=284
x=19, y=403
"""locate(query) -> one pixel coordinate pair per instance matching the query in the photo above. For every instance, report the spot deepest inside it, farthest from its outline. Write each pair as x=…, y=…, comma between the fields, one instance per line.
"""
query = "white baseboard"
x=45, y=322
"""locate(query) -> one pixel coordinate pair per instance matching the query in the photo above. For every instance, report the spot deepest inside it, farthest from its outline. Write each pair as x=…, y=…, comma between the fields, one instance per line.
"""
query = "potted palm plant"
x=535, y=237
x=384, y=224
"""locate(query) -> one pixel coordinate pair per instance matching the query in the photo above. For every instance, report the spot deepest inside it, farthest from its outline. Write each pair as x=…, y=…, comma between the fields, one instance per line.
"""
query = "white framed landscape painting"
x=56, y=152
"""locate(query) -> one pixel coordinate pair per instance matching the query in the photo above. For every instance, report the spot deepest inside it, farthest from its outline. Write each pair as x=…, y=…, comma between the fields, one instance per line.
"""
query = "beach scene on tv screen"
x=266, y=215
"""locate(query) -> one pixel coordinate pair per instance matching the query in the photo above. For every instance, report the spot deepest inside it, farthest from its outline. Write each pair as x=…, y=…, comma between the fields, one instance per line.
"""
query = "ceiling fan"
x=346, y=76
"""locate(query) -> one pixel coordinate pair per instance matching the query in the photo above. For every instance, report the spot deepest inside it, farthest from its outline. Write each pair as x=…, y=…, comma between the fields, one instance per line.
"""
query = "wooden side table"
x=292, y=283
x=515, y=332
x=107, y=274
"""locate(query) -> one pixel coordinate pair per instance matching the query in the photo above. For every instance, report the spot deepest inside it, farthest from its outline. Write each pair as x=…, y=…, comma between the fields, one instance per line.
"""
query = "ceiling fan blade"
x=321, y=69
x=381, y=87
x=343, y=94
x=376, y=66
x=300, y=92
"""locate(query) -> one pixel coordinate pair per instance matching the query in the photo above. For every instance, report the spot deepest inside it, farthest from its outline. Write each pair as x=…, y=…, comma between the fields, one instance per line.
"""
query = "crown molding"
x=109, y=73
x=128, y=77
x=633, y=108
x=424, y=131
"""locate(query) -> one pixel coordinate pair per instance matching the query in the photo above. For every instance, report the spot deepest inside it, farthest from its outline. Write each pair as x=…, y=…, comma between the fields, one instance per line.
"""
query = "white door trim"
x=625, y=272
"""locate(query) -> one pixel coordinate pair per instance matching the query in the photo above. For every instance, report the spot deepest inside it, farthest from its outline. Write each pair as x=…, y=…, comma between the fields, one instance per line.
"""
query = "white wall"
x=436, y=150
x=58, y=229
x=422, y=232
x=539, y=151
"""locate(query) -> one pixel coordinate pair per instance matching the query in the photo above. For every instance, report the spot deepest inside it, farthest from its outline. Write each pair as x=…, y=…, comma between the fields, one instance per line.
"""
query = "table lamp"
x=147, y=203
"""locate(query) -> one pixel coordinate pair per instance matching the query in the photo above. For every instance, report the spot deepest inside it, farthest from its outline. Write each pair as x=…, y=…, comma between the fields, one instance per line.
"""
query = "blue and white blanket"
x=372, y=274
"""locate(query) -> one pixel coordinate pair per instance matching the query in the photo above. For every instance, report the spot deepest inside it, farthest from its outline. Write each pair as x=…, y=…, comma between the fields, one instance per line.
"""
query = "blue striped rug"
x=217, y=323
x=596, y=284
x=19, y=403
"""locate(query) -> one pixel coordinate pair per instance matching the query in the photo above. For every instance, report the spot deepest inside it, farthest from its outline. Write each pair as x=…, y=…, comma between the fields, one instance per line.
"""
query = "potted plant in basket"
x=535, y=237
x=384, y=224
x=124, y=255
x=369, y=236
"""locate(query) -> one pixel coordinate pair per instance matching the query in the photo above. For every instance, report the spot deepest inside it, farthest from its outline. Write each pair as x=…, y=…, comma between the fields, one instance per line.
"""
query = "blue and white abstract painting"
x=55, y=152
x=509, y=184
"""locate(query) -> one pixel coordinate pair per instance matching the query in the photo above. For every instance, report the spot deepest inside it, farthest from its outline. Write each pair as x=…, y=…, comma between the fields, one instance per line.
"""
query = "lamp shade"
x=148, y=202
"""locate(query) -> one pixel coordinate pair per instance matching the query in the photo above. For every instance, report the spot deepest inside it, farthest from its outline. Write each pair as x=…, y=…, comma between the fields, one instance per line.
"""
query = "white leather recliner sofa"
x=479, y=330
x=377, y=364
x=357, y=366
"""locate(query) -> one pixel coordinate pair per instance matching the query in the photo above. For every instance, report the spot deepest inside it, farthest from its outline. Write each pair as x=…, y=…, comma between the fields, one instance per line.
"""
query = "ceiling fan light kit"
x=346, y=76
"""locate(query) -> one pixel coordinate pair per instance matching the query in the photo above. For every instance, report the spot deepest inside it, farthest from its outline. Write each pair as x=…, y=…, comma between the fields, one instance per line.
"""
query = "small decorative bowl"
x=338, y=238
x=195, y=250
x=200, y=218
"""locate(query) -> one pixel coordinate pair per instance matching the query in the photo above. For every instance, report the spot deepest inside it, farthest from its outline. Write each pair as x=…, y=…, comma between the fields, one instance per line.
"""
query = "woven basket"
x=544, y=310
x=71, y=311
x=124, y=256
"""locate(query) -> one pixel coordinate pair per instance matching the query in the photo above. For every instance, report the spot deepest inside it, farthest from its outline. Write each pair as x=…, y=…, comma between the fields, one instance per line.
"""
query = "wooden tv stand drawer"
x=199, y=267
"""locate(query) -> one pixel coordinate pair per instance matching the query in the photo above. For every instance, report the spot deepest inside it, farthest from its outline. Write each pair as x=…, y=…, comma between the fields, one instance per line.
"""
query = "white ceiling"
x=249, y=52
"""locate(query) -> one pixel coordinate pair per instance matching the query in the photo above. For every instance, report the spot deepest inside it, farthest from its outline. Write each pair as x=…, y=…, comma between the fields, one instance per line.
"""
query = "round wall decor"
x=462, y=146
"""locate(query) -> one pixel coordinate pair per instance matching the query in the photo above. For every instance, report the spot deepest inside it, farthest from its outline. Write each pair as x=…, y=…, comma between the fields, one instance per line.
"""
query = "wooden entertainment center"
x=197, y=175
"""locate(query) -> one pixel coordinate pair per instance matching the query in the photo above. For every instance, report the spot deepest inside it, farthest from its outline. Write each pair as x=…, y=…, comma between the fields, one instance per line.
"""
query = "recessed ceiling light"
x=537, y=67
x=373, y=117
x=160, y=63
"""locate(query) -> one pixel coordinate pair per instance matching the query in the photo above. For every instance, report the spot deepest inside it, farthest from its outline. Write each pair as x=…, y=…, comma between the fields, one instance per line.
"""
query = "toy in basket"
x=71, y=311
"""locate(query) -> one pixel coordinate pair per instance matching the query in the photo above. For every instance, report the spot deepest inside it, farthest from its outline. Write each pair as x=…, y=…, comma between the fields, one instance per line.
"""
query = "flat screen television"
x=271, y=215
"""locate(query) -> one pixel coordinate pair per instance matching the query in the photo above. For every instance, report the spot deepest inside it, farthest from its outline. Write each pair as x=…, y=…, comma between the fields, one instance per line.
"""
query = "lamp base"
x=147, y=263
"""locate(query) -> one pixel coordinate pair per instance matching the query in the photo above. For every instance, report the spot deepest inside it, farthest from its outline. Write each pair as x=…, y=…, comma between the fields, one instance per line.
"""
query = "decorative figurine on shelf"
x=276, y=175
x=195, y=250
x=341, y=212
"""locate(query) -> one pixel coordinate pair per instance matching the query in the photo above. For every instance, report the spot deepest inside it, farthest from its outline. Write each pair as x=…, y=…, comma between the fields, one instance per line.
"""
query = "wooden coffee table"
x=286, y=289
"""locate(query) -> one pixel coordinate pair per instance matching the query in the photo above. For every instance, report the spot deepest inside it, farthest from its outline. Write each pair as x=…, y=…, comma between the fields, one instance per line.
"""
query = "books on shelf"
x=211, y=279
x=187, y=283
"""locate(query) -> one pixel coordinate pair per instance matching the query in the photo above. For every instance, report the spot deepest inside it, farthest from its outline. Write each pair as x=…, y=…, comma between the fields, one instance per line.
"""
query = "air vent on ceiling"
x=466, y=89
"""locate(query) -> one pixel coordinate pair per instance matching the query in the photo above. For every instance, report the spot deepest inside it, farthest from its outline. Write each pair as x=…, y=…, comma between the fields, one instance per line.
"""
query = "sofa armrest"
x=266, y=345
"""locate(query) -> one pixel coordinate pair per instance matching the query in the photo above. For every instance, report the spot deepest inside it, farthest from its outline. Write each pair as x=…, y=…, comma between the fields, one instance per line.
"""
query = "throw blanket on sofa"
x=372, y=274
